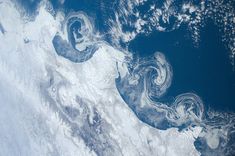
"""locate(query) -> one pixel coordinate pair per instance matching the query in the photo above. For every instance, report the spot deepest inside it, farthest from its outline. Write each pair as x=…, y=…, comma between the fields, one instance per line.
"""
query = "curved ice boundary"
x=79, y=46
x=86, y=115
x=142, y=89
x=147, y=82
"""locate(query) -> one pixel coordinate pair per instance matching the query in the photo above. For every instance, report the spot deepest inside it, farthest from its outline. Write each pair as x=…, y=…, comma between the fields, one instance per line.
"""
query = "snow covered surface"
x=51, y=105
x=33, y=122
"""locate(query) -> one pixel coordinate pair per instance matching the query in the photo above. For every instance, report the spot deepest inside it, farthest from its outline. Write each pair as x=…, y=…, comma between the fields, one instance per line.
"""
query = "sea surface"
x=117, y=77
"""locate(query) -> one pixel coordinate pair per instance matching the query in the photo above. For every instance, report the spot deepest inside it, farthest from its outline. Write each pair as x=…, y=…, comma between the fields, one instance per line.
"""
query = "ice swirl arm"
x=80, y=46
x=143, y=87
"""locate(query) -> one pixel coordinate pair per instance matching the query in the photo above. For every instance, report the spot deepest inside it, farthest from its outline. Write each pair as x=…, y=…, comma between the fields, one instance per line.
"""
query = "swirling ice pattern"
x=80, y=46
x=148, y=81
x=144, y=85
x=142, y=89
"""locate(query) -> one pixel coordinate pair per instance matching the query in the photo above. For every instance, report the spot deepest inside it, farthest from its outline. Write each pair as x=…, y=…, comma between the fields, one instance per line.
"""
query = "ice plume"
x=54, y=106
x=79, y=45
x=146, y=83
x=59, y=97
x=143, y=87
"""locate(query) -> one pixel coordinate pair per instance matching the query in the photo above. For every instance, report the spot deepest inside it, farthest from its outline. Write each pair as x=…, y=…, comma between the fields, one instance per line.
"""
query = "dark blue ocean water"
x=205, y=70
